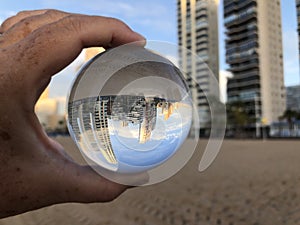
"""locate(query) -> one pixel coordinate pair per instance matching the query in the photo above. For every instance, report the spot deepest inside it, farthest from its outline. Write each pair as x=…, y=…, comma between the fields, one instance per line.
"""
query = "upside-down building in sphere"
x=254, y=54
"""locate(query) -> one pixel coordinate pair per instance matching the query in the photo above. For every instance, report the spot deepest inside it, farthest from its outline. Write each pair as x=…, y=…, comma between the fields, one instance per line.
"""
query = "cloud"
x=128, y=9
x=61, y=82
x=223, y=78
x=153, y=16
x=4, y=14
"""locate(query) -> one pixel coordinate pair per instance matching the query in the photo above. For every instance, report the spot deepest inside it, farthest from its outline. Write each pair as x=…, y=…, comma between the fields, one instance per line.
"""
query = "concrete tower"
x=198, y=32
x=255, y=56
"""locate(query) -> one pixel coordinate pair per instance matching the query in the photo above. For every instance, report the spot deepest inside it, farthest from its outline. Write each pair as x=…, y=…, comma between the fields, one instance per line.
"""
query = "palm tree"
x=238, y=116
x=290, y=115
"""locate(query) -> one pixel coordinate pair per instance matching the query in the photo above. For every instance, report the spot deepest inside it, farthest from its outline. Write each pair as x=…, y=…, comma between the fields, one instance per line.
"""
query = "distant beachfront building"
x=51, y=112
x=293, y=98
x=198, y=32
x=255, y=56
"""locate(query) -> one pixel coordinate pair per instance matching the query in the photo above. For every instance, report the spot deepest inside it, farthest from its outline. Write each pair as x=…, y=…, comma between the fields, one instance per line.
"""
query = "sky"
x=156, y=20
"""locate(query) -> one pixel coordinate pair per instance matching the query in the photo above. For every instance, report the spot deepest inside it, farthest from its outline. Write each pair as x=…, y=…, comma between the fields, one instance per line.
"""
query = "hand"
x=34, y=170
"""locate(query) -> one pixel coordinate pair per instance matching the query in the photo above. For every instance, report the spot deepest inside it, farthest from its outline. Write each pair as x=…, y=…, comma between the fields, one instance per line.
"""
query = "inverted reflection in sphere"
x=129, y=110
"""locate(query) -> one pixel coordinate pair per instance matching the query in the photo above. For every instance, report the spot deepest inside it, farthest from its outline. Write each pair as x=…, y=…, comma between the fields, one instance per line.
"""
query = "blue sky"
x=156, y=20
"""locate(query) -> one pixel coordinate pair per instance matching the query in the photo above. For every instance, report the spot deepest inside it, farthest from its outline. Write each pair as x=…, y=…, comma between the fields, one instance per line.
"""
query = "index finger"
x=52, y=47
x=8, y=23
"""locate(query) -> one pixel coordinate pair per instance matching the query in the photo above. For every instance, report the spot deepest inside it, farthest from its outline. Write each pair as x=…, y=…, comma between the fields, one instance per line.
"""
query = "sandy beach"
x=250, y=183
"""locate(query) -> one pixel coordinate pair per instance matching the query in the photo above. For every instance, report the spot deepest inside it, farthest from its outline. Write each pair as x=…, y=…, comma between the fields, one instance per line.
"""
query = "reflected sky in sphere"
x=130, y=153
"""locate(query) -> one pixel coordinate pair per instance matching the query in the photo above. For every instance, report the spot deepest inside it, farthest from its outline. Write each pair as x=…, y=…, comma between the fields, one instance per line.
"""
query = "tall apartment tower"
x=255, y=57
x=198, y=32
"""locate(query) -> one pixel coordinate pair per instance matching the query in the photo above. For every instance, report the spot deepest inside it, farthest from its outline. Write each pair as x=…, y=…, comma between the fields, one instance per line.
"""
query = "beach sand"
x=250, y=182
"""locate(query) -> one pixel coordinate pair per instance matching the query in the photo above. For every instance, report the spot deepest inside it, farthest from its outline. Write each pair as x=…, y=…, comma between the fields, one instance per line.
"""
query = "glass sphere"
x=129, y=110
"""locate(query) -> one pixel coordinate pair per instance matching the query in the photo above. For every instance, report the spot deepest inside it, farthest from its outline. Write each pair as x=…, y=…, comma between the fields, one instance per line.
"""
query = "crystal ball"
x=129, y=110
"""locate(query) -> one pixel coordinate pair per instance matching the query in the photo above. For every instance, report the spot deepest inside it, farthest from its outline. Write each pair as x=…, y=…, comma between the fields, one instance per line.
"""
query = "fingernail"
x=141, y=36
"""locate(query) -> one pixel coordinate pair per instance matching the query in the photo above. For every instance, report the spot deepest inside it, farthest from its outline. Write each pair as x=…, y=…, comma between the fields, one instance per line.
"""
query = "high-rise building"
x=255, y=57
x=198, y=32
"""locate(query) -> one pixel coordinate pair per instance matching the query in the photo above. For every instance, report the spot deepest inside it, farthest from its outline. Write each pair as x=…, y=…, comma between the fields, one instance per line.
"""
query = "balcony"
x=201, y=66
x=234, y=84
x=247, y=79
x=238, y=6
x=240, y=47
x=201, y=45
x=241, y=28
x=201, y=4
x=203, y=74
x=203, y=55
x=201, y=32
x=202, y=17
x=204, y=39
x=201, y=13
x=237, y=90
x=202, y=52
x=246, y=66
x=239, y=59
x=240, y=18
x=201, y=24
x=202, y=102
x=242, y=37
x=243, y=75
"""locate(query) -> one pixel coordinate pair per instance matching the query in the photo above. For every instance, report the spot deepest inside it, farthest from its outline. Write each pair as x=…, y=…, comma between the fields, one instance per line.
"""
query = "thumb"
x=84, y=185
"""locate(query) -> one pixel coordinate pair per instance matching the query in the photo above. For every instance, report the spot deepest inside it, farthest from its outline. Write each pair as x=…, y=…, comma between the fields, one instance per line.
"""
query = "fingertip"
x=139, y=36
x=141, y=40
x=123, y=34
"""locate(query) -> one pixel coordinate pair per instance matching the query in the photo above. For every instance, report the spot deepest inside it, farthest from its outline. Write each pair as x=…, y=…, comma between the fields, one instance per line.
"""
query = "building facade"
x=198, y=35
x=254, y=54
x=51, y=112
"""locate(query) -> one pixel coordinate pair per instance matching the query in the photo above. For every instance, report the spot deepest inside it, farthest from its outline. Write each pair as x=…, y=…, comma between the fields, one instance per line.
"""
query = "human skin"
x=34, y=170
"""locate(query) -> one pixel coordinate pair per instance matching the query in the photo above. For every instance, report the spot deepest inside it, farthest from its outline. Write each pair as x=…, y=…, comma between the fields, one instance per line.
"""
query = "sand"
x=251, y=183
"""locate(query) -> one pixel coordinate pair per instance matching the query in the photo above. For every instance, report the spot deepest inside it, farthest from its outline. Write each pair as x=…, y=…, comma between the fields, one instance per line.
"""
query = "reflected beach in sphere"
x=129, y=110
